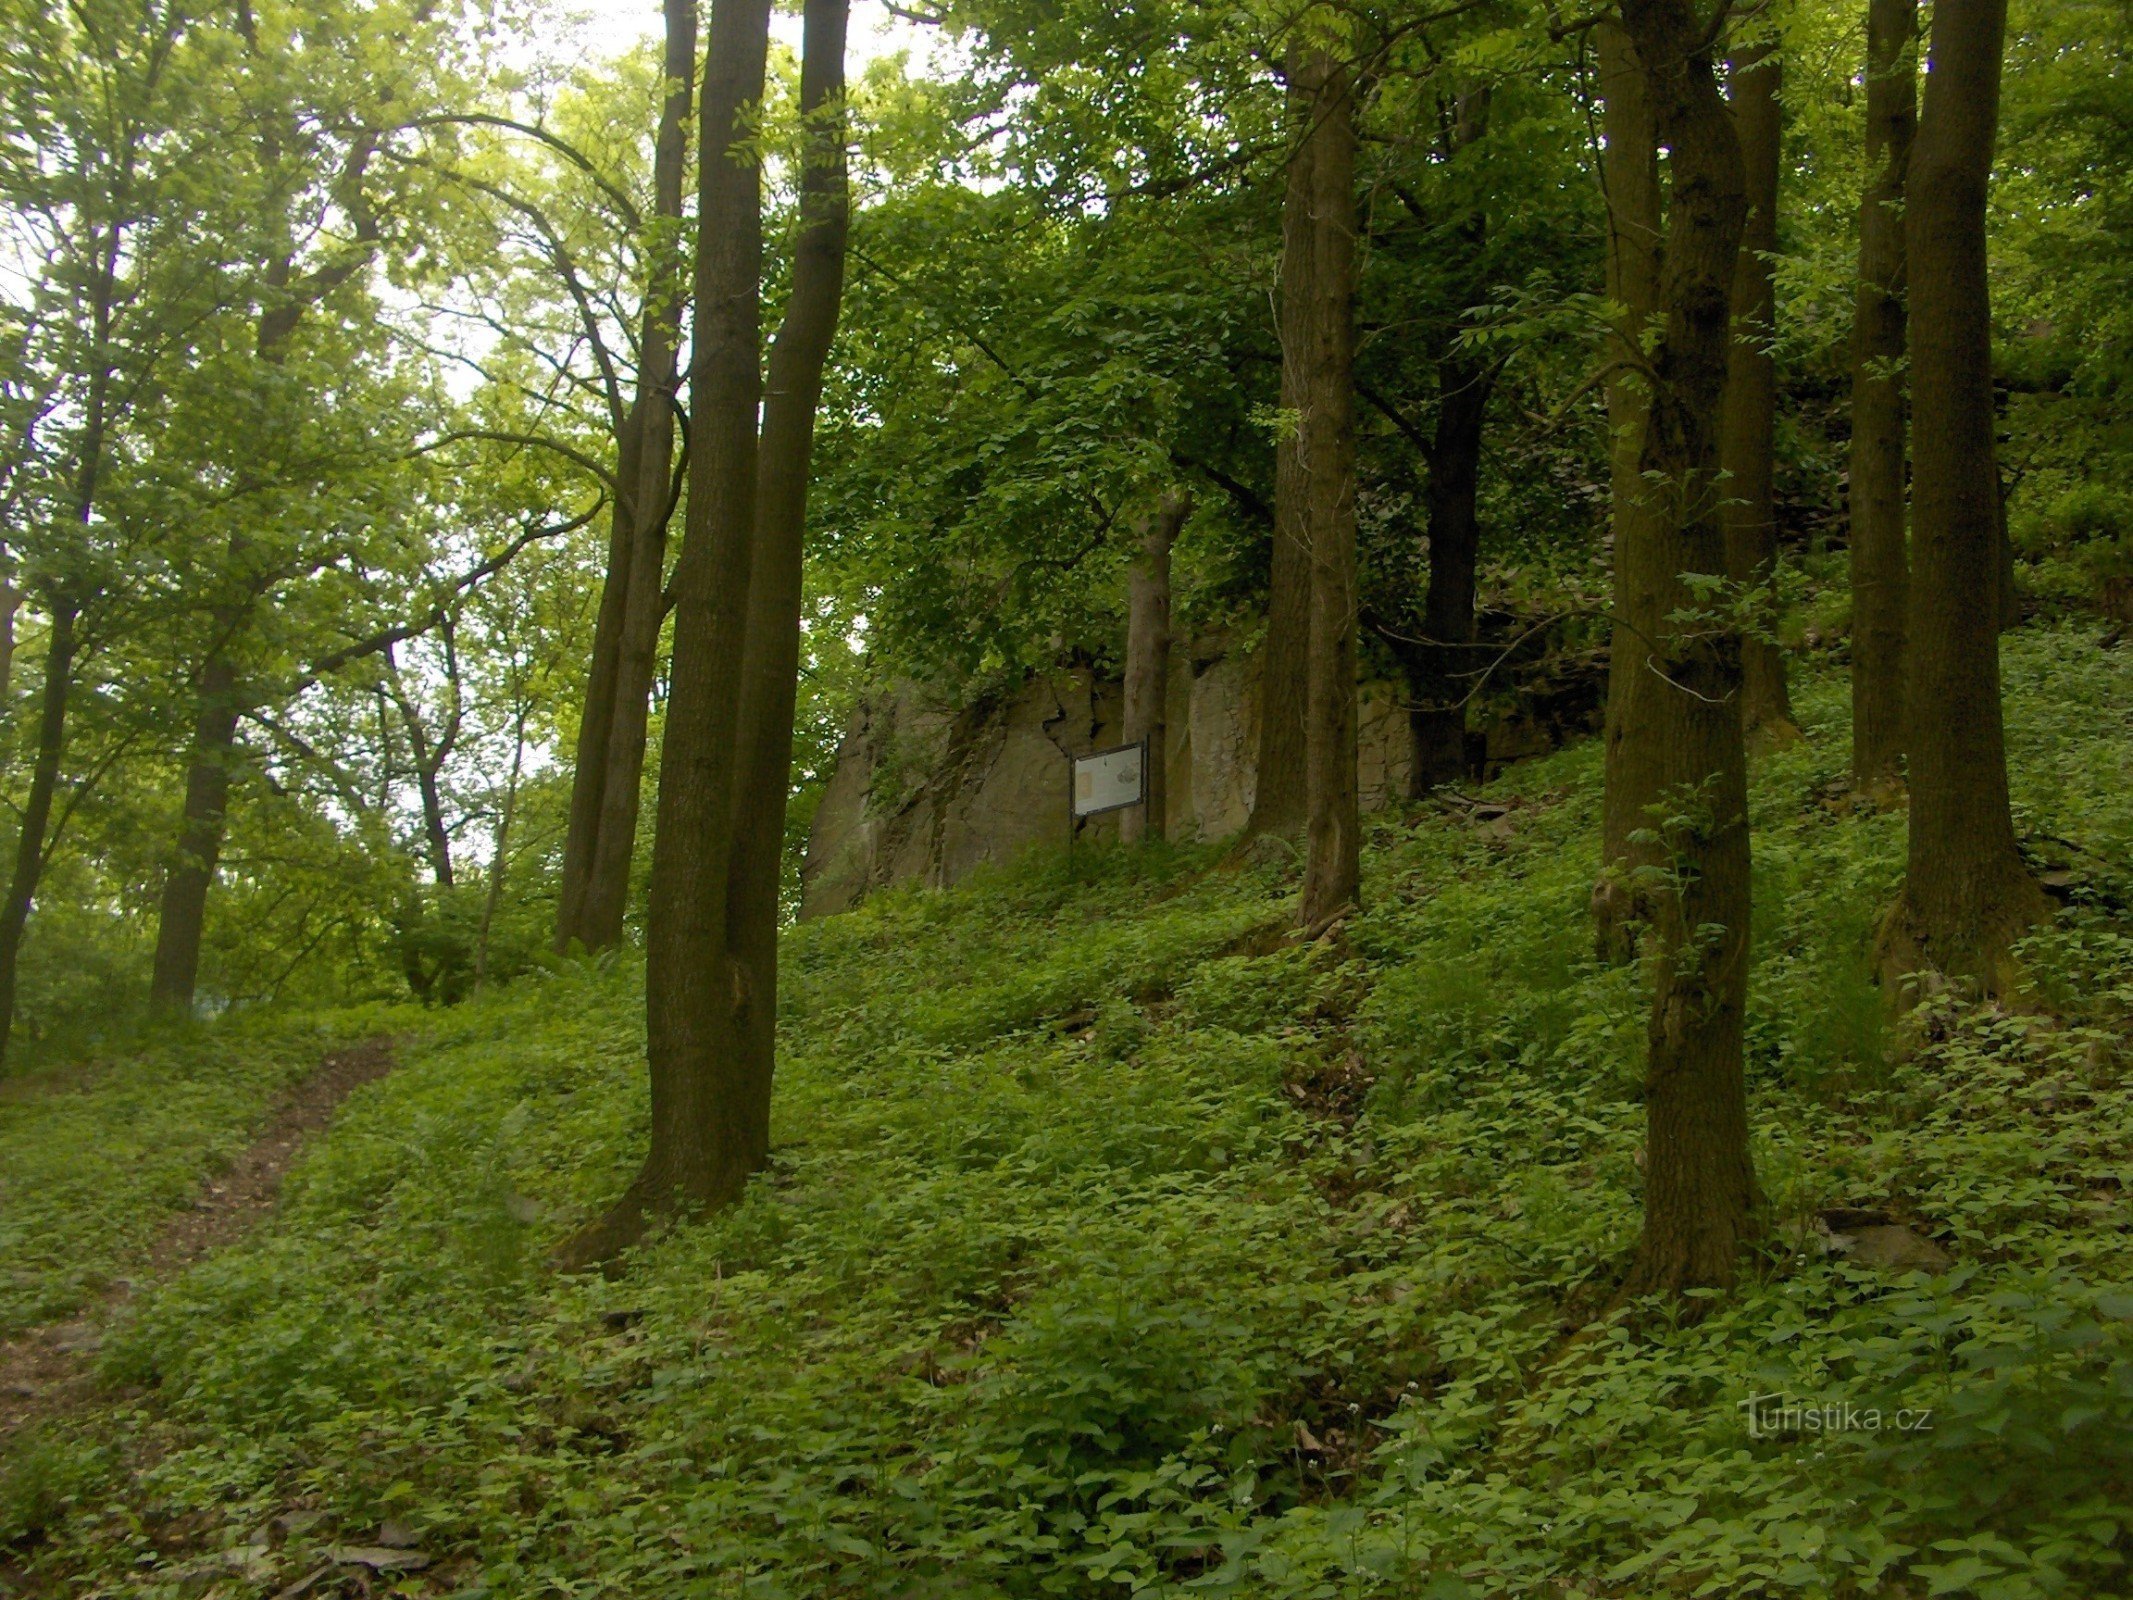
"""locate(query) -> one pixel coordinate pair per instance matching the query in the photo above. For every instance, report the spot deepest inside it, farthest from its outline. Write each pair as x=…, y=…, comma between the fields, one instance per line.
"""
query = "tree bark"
x=607, y=783
x=1332, y=869
x=1749, y=432
x=1278, y=798
x=1437, y=678
x=1699, y=1197
x=37, y=805
x=1967, y=894
x=1148, y=664
x=596, y=723
x=1437, y=667
x=181, y=920
x=771, y=662
x=429, y=757
x=1880, y=563
x=1629, y=172
x=437, y=838
x=707, y=1131
x=62, y=646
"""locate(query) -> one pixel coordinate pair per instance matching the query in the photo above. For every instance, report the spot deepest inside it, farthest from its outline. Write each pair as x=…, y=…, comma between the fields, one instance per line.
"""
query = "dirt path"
x=46, y=1372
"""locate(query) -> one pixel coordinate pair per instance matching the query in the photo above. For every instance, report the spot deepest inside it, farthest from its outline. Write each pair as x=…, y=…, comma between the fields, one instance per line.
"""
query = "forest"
x=572, y=1021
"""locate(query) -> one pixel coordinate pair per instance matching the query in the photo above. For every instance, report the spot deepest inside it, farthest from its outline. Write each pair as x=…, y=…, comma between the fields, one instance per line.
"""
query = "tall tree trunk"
x=1438, y=678
x=182, y=918
x=1332, y=869
x=1747, y=444
x=1879, y=562
x=62, y=646
x=1278, y=799
x=707, y=1130
x=1148, y=664
x=607, y=783
x=1629, y=171
x=770, y=669
x=37, y=806
x=1699, y=1187
x=596, y=721
x=1967, y=894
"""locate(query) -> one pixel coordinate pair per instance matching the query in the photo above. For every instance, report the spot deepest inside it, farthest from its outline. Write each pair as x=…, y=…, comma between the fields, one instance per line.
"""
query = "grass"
x=1104, y=1256
x=96, y=1154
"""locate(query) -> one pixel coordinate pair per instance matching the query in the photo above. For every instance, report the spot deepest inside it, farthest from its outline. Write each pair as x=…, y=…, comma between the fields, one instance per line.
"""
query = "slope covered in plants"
x=1116, y=1244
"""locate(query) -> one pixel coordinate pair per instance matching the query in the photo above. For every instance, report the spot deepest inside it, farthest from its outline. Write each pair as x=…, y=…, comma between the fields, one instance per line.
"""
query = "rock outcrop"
x=925, y=793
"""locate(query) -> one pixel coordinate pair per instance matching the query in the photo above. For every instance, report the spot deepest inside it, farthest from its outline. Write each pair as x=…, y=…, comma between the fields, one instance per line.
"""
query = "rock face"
x=924, y=793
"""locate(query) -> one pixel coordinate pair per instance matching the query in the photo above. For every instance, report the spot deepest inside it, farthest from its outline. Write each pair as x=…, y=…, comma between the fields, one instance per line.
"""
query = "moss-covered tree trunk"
x=1748, y=438
x=1332, y=869
x=1629, y=173
x=1880, y=563
x=1967, y=893
x=1699, y=1192
x=1148, y=663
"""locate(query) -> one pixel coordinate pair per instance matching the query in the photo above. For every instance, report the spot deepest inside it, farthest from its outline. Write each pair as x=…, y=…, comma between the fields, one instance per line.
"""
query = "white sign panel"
x=1108, y=780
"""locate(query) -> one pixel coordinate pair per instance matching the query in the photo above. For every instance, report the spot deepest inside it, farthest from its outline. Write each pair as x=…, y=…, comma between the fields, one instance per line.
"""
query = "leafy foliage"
x=1151, y=1255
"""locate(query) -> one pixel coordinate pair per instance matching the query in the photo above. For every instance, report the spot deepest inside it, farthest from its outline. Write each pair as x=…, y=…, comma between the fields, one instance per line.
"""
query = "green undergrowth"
x=95, y=1154
x=1112, y=1249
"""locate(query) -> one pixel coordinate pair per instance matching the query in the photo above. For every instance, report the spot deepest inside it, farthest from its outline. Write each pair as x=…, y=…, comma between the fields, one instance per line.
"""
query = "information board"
x=1107, y=780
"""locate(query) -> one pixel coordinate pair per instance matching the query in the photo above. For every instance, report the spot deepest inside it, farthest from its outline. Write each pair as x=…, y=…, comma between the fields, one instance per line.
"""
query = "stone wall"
x=923, y=793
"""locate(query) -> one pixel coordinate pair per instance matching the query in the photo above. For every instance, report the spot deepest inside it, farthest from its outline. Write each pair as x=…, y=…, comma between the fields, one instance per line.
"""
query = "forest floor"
x=47, y=1372
x=1117, y=1244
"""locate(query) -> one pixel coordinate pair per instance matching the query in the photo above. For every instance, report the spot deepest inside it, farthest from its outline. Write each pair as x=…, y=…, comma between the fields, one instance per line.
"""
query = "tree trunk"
x=182, y=919
x=1749, y=433
x=770, y=672
x=707, y=1131
x=1278, y=798
x=10, y=606
x=1148, y=664
x=1967, y=894
x=429, y=757
x=1879, y=562
x=437, y=838
x=37, y=807
x=1439, y=677
x=1332, y=871
x=607, y=783
x=60, y=649
x=1438, y=668
x=596, y=727
x=1629, y=171
x=1699, y=1195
